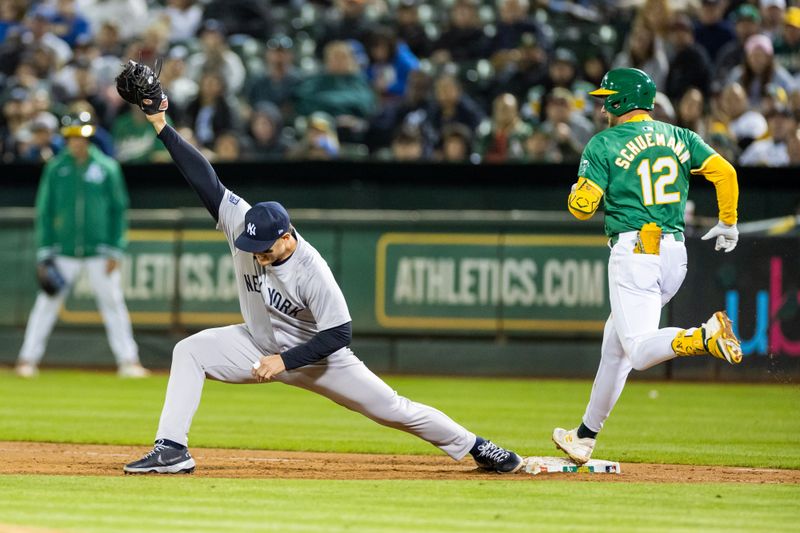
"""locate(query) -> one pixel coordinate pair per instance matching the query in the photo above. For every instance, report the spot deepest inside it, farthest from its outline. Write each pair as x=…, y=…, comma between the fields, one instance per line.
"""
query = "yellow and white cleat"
x=720, y=340
x=715, y=337
x=579, y=450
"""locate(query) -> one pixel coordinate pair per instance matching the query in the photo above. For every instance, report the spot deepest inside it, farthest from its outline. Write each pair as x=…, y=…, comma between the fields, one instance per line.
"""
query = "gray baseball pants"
x=227, y=354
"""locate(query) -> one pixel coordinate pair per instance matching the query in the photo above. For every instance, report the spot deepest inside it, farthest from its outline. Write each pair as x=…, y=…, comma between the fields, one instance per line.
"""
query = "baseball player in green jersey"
x=81, y=224
x=640, y=168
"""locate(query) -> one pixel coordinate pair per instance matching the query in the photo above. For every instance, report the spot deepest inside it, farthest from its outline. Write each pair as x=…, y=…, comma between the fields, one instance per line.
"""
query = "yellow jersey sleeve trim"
x=702, y=167
x=721, y=173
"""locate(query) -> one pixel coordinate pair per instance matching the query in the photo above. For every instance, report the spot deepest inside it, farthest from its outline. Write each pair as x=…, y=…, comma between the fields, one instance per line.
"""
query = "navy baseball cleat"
x=490, y=456
x=163, y=459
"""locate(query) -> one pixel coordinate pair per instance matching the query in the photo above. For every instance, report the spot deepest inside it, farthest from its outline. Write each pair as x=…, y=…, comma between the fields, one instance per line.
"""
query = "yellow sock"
x=686, y=343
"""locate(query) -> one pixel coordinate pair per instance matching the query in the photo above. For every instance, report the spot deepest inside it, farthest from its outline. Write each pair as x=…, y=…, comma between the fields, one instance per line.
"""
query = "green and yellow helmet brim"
x=602, y=92
x=78, y=130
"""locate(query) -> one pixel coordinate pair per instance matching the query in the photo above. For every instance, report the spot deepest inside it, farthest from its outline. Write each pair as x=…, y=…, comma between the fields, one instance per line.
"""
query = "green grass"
x=215, y=505
x=746, y=425
x=728, y=424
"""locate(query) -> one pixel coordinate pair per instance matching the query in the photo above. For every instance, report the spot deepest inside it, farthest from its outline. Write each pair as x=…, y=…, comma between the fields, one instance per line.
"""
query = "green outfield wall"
x=484, y=292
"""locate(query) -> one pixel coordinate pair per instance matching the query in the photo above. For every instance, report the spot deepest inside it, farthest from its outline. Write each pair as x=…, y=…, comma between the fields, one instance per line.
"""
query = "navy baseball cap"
x=264, y=223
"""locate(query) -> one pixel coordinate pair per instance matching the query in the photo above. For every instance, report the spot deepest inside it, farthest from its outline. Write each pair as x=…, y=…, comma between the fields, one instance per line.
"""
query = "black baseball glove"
x=49, y=277
x=138, y=84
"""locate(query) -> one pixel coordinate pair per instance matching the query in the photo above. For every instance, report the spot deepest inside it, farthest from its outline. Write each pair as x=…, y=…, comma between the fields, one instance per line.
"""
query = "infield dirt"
x=104, y=460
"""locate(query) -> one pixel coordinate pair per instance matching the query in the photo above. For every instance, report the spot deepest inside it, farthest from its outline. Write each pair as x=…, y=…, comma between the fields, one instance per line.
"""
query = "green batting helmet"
x=626, y=89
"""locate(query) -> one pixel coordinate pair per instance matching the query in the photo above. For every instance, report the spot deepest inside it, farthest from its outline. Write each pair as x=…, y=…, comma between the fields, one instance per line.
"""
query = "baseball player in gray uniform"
x=296, y=331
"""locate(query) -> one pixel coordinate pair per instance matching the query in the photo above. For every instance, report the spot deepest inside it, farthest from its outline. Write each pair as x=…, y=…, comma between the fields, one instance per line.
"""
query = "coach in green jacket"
x=81, y=222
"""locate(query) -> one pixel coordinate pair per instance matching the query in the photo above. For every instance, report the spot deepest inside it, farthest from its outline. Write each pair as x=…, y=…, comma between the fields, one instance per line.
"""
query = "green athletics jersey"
x=643, y=167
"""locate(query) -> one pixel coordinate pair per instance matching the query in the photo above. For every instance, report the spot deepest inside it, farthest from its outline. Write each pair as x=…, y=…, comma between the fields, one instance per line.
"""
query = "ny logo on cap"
x=251, y=229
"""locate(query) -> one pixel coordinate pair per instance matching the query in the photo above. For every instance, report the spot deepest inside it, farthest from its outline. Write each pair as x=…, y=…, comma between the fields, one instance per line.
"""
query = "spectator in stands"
x=248, y=17
x=11, y=14
x=773, y=13
x=278, y=83
x=773, y=151
x=320, y=140
x=712, y=30
x=735, y=118
x=562, y=72
x=86, y=88
x=340, y=90
x=211, y=112
x=390, y=62
x=408, y=145
x=663, y=110
x=346, y=20
x=133, y=16
x=747, y=21
x=690, y=111
x=265, y=133
x=456, y=142
x=217, y=55
x=464, y=39
x=43, y=103
x=108, y=39
x=502, y=139
x=760, y=70
x=570, y=130
x=182, y=89
x=43, y=60
x=44, y=142
x=151, y=46
x=413, y=108
x=528, y=69
x=410, y=30
x=595, y=66
x=67, y=23
x=133, y=141
x=38, y=36
x=514, y=21
x=227, y=147
x=540, y=147
x=17, y=112
x=451, y=105
x=787, y=44
x=26, y=77
x=184, y=17
x=643, y=50
x=690, y=65
x=655, y=16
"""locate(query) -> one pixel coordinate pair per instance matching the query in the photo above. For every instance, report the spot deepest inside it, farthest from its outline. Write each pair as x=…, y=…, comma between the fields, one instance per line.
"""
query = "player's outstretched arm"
x=192, y=164
x=138, y=84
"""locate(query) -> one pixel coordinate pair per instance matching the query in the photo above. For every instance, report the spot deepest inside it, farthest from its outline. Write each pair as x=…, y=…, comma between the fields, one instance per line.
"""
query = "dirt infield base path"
x=101, y=460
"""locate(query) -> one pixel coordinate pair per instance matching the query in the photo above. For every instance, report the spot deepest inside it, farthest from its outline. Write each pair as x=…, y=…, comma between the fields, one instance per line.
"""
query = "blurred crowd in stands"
x=441, y=80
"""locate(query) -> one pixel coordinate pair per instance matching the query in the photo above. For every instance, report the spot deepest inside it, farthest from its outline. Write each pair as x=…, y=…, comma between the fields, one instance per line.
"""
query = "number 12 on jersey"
x=652, y=193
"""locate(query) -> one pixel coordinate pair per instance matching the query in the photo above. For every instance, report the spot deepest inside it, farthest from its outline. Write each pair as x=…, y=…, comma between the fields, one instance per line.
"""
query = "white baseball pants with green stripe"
x=639, y=285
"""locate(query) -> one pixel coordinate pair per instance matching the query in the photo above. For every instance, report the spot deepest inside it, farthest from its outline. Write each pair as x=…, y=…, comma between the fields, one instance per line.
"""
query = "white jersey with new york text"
x=302, y=297
x=248, y=274
x=286, y=304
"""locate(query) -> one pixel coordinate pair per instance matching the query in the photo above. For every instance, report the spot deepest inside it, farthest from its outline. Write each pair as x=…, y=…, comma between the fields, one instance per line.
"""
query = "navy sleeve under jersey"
x=195, y=168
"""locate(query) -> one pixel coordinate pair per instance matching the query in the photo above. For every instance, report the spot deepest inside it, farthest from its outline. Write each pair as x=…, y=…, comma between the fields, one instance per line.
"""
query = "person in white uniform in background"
x=296, y=330
x=81, y=222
